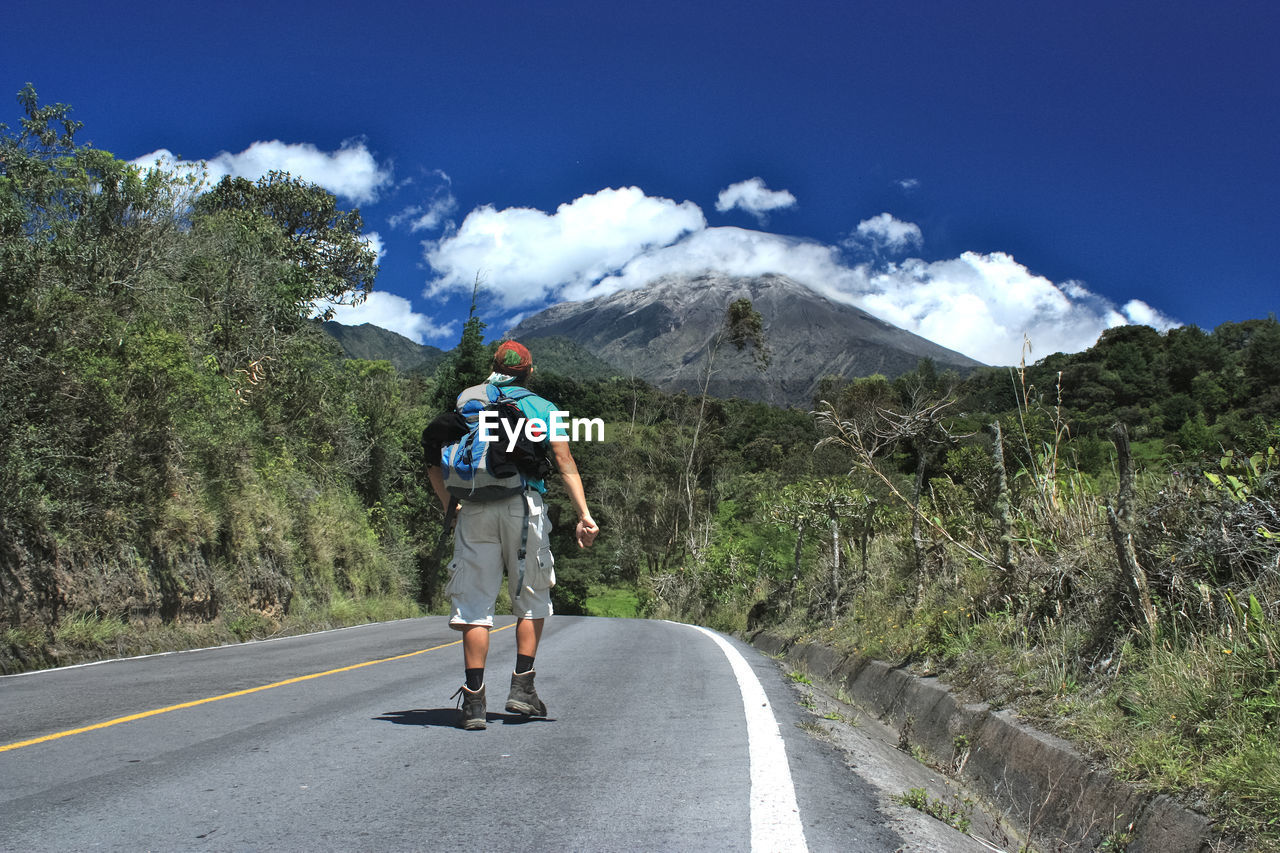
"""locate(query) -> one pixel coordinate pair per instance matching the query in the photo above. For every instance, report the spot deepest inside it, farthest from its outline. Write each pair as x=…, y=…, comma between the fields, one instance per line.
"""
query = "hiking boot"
x=471, y=708
x=523, y=699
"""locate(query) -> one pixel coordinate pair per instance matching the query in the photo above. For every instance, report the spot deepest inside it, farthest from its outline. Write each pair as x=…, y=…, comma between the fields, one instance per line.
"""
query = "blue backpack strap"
x=514, y=392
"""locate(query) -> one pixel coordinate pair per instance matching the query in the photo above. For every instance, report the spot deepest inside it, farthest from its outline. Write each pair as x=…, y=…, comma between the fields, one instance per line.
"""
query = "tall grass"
x=89, y=631
x=1174, y=683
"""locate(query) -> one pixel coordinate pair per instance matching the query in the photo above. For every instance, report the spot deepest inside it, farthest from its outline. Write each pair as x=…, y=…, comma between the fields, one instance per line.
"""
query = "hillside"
x=374, y=343
x=563, y=357
x=555, y=354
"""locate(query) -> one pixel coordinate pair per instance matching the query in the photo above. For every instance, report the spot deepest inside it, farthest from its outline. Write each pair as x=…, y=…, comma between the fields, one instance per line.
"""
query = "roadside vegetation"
x=183, y=459
x=186, y=458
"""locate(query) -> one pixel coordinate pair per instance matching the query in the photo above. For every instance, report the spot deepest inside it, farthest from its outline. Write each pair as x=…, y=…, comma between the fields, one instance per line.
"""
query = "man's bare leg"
x=475, y=646
x=528, y=635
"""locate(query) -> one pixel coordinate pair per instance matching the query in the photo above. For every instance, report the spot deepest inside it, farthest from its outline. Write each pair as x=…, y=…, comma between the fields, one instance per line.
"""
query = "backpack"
x=485, y=471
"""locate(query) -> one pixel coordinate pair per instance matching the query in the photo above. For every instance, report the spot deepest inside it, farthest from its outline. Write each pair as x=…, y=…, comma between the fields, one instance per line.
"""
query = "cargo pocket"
x=539, y=571
x=451, y=584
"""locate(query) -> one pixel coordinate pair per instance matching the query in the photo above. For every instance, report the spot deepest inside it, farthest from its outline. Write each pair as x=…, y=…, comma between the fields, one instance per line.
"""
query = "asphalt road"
x=646, y=747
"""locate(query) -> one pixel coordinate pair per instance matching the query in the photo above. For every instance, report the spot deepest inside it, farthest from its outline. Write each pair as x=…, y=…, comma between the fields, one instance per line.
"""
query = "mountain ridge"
x=375, y=343
x=555, y=354
x=663, y=332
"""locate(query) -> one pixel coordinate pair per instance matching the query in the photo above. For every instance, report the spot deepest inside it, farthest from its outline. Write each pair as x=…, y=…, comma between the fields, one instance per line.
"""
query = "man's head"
x=513, y=359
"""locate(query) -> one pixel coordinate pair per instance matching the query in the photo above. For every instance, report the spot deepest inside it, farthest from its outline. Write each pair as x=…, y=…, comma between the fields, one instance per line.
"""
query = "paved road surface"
x=646, y=748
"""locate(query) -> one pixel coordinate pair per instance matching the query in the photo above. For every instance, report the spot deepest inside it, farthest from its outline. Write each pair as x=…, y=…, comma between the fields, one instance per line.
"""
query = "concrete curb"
x=1039, y=780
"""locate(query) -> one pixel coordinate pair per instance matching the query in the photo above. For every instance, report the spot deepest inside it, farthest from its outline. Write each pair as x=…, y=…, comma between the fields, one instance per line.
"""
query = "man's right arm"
x=587, y=529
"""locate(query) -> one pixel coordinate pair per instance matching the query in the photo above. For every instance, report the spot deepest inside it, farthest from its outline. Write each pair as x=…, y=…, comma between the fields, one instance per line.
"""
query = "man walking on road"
x=494, y=536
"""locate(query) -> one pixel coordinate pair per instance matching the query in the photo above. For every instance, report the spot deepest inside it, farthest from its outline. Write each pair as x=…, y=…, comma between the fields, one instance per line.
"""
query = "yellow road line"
x=142, y=716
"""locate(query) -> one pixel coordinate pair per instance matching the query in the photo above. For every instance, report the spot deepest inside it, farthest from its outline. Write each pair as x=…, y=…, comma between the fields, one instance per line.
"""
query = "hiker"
x=490, y=536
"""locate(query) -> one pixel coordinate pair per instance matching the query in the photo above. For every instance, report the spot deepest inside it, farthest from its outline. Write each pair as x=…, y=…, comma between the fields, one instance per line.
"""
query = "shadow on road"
x=448, y=718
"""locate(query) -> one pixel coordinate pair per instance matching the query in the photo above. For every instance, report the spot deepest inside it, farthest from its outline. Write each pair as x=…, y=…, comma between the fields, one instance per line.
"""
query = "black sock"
x=475, y=678
x=524, y=663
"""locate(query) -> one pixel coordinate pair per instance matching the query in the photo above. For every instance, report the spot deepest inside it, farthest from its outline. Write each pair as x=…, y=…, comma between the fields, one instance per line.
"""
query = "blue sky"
x=971, y=171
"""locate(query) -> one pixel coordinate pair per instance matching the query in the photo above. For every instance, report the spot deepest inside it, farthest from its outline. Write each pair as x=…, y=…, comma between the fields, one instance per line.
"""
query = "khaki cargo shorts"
x=486, y=543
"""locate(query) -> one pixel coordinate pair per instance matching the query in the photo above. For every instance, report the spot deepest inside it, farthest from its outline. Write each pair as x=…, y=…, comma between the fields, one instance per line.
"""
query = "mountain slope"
x=565, y=357
x=372, y=342
x=662, y=333
x=550, y=354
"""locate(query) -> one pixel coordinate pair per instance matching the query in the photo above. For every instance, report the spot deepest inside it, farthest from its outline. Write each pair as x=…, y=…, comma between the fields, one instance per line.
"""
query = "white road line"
x=775, y=817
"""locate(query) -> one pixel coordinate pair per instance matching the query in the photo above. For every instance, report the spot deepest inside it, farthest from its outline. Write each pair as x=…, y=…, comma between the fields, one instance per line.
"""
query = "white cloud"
x=886, y=232
x=434, y=213
x=734, y=251
x=395, y=220
x=394, y=313
x=908, y=184
x=426, y=218
x=374, y=240
x=983, y=304
x=351, y=172
x=525, y=256
x=978, y=304
x=511, y=322
x=1139, y=312
x=753, y=197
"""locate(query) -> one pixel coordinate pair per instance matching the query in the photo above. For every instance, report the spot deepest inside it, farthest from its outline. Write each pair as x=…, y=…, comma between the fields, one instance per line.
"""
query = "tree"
x=743, y=327
x=835, y=503
x=330, y=257
x=85, y=246
x=1262, y=359
x=77, y=218
x=1189, y=352
x=264, y=258
x=468, y=363
x=1132, y=352
x=919, y=423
